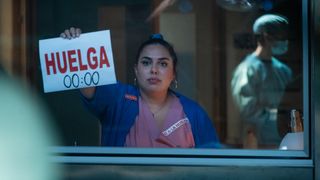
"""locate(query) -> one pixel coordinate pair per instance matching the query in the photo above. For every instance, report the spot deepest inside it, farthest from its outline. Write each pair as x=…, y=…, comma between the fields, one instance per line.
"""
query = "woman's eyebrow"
x=164, y=59
x=161, y=58
x=146, y=57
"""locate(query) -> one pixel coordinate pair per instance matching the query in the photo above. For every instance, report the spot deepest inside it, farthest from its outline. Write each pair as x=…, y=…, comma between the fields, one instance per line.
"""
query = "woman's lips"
x=153, y=80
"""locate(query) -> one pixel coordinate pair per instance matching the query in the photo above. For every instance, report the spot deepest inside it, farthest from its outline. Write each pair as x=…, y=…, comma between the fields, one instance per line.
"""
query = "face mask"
x=279, y=47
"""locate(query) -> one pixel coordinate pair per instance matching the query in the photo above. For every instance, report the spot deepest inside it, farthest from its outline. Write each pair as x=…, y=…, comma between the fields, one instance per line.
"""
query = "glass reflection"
x=260, y=80
x=211, y=39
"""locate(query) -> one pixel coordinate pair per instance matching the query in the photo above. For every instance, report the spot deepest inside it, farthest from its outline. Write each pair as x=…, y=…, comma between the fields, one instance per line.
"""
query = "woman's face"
x=154, y=70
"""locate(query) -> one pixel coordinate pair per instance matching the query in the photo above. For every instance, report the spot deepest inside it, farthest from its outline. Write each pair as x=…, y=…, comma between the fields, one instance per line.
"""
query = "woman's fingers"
x=71, y=33
x=63, y=35
x=67, y=33
x=78, y=32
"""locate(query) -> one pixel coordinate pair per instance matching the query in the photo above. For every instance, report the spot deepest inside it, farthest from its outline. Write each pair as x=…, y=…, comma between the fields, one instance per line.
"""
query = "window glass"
x=246, y=74
x=211, y=39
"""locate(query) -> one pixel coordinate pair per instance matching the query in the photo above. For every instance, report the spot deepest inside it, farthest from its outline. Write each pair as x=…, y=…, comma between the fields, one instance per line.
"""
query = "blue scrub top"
x=117, y=106
x=257, y=87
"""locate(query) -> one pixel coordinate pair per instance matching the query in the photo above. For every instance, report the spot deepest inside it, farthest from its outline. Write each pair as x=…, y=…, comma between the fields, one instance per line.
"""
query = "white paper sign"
x=81, y=62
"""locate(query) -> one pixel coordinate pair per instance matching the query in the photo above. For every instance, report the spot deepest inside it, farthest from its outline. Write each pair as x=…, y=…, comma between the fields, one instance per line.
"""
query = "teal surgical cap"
x=270, y=24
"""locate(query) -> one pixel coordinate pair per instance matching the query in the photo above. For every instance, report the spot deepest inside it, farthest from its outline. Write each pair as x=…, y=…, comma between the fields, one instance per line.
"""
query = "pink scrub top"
x=175, y=133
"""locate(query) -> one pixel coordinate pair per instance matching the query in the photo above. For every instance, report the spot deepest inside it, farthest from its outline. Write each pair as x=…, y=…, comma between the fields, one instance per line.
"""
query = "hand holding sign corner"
x=82, y=62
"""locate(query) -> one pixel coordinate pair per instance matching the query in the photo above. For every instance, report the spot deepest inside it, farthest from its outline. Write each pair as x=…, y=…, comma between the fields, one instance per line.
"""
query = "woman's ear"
x=174, y=77
x=135, y=69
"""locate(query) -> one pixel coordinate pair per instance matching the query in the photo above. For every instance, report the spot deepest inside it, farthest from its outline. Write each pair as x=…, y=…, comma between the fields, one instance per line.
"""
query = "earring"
x=135, y=81
x=175, y=84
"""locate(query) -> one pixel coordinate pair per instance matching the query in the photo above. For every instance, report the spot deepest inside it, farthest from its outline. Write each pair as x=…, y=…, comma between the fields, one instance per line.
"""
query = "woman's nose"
x=154, y=68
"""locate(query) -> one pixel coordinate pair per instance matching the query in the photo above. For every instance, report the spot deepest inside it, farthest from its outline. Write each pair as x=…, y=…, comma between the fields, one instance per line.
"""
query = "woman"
x=151, y=114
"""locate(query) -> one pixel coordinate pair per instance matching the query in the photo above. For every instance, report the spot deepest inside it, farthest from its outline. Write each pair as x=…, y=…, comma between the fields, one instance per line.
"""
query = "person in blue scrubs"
x=118, y=106
x=260, y=80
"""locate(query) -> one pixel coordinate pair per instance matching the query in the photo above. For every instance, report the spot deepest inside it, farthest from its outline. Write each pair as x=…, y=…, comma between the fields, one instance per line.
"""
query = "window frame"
x=206, y=157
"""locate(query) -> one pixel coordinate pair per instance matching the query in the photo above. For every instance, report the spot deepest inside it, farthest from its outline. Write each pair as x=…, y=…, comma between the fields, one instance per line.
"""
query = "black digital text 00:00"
x=74, y=80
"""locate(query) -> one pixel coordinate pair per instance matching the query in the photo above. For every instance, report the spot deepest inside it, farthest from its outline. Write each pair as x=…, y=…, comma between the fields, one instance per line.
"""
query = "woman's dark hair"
x=158, y=39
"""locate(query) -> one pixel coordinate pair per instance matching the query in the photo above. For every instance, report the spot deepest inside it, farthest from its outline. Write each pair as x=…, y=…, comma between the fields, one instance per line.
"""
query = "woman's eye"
x=164, y=64
x=145, y=63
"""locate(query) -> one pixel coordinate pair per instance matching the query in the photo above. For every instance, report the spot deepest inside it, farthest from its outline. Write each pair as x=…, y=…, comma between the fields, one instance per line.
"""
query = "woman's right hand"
x=71, y=33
